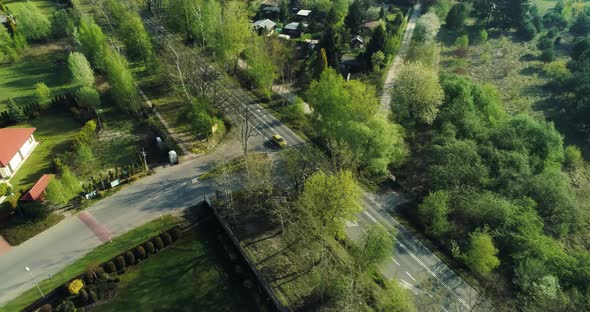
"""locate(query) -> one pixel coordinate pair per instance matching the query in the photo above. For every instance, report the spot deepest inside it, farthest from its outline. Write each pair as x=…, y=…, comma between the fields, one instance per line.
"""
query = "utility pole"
x=143, y=154
x=35, y=281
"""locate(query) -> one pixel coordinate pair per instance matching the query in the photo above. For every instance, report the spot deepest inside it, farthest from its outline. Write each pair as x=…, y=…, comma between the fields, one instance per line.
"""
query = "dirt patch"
x=39, y=49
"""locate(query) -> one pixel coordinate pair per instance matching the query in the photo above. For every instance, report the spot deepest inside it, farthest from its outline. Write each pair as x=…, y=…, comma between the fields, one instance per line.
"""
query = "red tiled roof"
x=11, y=140
x=38, y=189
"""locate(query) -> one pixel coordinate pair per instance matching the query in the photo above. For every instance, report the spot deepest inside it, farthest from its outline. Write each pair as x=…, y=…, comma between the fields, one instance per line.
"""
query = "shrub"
x=528, y=31
x=83, y=295
x=158, y=243
x=66, y=306
x=110, y=267
x=149, y=248
x=92, y=274
x=75, y=286
x=482, y=36
x=93, y=296
x=42, y=95
x=175, y=233
x=140, y=252
x=46, y=308
x=547, y=56
x=5, y=189
x=120, y=263
x=166, y=238
x=130, y=258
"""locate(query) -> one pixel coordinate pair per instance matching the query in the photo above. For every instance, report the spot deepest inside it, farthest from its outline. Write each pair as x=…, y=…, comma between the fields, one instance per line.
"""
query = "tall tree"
x=92, y=42
x=121, y=81
x=328, y=201
x=433, y=213
x=331, y=43
x=32, y=22
x=416, y=94
x=354, y=18
x=481, y=256
x=234, y=34
x=82, y=73
x=136, y=39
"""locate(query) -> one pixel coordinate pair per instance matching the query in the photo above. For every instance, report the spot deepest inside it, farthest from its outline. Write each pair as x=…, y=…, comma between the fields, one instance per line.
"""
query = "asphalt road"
x=435, y=285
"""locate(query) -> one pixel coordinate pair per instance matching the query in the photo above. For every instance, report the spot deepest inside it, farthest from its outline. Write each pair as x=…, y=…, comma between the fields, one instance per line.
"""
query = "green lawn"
x=100, y=254
x=46, y=6
x=17, y=81
x=191, y=276
x=16, y=232
x=55, y=131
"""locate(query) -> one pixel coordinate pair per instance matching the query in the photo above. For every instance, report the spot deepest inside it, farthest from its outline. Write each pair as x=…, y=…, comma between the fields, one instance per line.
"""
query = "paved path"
x=398, y=61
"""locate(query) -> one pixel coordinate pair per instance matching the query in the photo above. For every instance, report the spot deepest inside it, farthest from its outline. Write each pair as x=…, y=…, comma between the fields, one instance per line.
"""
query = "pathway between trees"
x=398, y=61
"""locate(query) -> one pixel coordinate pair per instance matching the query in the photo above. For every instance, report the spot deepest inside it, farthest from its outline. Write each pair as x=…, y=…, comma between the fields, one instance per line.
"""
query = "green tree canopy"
x=328, y=201
x=481, y=255
x=92, y=42
x=82, y=73
x=416, y=95
x=32, y=22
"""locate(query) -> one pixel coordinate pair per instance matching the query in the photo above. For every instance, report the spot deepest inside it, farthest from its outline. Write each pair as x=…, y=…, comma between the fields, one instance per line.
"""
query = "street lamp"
x=143, y=154
x=35, y=281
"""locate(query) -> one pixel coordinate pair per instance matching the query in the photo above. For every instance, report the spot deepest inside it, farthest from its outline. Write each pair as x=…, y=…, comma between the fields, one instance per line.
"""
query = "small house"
x=37, y=192
x=265, y=26
x=16, y=144
x=357, y=42
x=295, y=29
x=303, y=14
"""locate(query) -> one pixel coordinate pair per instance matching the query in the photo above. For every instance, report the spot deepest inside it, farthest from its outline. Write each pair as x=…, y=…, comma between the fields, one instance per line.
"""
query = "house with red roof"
x=15, y=145
x=37, y=192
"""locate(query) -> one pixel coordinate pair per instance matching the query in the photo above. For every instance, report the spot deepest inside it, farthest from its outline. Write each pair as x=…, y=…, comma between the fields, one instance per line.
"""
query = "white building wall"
x=15, y=161
x=28, y=146
x=5, y=172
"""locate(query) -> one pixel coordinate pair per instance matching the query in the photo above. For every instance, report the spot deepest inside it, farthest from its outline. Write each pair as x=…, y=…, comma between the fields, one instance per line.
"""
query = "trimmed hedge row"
x=97, y=281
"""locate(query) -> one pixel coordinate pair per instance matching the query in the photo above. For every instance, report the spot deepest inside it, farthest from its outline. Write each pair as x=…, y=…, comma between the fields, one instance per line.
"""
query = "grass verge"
x=192, y=275
x=100, y=254
x=17, y=233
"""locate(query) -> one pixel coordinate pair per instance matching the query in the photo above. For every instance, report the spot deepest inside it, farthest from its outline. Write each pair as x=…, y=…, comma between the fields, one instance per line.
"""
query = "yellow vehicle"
x=278, y=141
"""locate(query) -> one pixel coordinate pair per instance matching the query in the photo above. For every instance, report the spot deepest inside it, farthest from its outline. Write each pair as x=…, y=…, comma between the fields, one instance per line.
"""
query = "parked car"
x=279, y=141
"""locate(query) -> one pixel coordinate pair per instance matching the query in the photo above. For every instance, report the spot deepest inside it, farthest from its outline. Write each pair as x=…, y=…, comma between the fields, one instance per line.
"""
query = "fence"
x=277, y=306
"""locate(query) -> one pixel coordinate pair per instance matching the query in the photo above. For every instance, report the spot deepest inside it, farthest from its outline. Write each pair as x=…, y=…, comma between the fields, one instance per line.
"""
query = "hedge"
x=83, y=295
x=110, y=267
x=175, y=233
x=140, y=252
x=158, y=243
x=149, y=248
x=120, y=263
x=166, y=238
x=130, y=258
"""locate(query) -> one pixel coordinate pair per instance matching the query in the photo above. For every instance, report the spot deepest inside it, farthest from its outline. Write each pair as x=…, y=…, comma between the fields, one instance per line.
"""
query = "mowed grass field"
x=17, y=81
x=192, y=275
x=46, y=6
x=545, y=5
x=55, y=133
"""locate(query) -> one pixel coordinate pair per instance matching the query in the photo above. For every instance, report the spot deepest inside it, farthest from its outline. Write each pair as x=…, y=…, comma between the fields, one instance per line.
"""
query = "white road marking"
x=410, y=275
x=395, y=261
x=463, y=302
x=444, y=309
x=351, y=223
x=370, y=216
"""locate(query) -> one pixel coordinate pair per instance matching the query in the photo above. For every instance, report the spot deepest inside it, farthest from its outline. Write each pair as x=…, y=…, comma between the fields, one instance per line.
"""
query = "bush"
x=91, y=275
x=130, y=258
x=83, y=295
x=140, y=252
x=93, y=297
x=158, y=243
x=110, y=267
x=548, y=55
x=75, y=286
x=149, y=248
x=166, y=238
x=66, y=306
x=175, y=233
x=528, y=31
x=120, y=263
x=5, y=189
x=482, y=36
x=46, y=308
